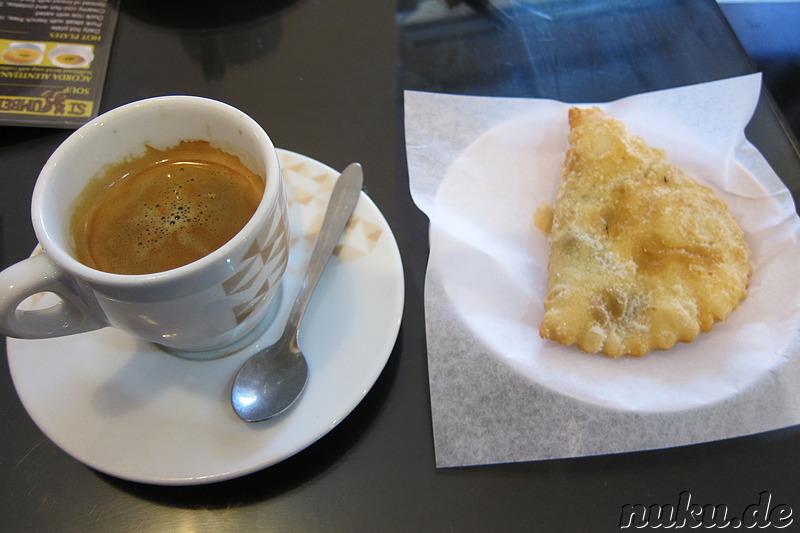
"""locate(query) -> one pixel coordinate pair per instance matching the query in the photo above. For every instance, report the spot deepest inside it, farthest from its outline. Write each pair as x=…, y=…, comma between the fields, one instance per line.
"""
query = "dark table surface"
x=325, y=79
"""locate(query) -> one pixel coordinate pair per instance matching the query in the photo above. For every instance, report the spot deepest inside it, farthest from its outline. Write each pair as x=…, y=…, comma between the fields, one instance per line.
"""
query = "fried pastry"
x=641, y=254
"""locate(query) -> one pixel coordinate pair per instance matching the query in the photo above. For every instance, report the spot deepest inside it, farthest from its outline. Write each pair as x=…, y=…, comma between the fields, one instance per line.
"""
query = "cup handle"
x=38, y=274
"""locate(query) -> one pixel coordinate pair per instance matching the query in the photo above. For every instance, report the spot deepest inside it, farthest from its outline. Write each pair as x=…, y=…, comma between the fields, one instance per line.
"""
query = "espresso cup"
x=193, y=310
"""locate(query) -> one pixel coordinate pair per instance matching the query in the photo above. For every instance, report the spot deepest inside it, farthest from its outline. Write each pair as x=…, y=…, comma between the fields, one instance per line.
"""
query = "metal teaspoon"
x=273, y=378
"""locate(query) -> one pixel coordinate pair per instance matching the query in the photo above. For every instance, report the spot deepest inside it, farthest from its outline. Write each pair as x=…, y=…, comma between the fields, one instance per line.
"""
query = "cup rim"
x=215, y=259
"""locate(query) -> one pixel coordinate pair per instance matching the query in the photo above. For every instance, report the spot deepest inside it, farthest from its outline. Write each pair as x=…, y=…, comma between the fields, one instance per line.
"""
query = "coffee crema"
x=163, y=210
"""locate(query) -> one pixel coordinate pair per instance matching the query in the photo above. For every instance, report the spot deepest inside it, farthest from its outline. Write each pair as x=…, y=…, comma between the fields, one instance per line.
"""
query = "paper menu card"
x=479, y=167
x=53, y=60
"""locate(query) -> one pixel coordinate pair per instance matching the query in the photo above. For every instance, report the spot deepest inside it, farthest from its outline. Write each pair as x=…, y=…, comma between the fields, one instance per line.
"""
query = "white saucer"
x=125, y=408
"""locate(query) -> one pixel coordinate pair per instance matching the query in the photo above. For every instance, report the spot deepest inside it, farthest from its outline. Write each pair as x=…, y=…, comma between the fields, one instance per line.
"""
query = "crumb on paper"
x=543, y=218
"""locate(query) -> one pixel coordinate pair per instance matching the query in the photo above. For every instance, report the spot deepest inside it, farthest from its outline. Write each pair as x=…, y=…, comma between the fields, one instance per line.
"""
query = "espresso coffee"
x=163, y=210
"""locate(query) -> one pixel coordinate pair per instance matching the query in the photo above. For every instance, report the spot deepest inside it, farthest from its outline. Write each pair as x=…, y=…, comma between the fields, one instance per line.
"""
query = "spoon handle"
x=343, y=200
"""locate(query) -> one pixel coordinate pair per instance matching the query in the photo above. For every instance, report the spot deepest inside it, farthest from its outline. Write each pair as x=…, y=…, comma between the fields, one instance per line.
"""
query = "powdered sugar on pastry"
x=642, y=256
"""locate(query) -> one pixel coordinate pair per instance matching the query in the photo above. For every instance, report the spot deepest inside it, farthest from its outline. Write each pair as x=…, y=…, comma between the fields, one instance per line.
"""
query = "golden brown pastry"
x=641, y=255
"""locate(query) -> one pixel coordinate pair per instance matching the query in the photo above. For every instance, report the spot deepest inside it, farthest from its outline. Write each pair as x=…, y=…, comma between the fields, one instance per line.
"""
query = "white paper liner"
x=479, y=168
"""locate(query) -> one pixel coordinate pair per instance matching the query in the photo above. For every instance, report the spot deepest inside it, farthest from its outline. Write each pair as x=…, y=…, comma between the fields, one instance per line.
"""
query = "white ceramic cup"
x=196, y=310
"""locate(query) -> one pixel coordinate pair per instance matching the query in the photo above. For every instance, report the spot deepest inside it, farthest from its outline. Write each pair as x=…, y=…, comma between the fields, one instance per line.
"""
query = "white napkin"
x=479, y=168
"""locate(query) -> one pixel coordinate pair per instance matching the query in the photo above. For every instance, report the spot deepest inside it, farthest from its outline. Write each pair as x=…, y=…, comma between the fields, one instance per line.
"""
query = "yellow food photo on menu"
x=69, y=59
x=71, y=55
x=22, y=56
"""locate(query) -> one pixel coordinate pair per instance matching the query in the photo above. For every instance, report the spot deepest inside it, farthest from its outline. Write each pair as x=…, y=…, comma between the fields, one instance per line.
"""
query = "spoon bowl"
x=271, y=380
